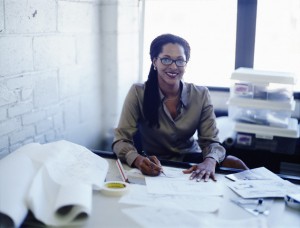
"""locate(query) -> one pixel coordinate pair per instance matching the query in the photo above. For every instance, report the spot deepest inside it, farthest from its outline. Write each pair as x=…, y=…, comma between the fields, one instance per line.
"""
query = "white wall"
x=60, y=69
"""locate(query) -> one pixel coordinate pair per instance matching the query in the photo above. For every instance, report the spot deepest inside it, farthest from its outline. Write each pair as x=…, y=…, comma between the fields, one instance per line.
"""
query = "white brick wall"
x=59, y=69
x=78, y=17
x=1, y=16
x=30, y=16
x=53, y=51
x=16, y=55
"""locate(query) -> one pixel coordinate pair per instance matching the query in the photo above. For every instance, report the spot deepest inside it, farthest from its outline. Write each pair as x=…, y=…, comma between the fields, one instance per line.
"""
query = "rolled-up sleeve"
x=125, y=151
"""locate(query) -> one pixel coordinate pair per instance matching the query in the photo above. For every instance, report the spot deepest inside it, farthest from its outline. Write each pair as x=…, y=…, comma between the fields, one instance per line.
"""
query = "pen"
x=143, y=153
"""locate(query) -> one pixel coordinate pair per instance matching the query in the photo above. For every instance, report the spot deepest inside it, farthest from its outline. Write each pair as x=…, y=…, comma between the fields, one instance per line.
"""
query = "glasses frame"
x=173, y=61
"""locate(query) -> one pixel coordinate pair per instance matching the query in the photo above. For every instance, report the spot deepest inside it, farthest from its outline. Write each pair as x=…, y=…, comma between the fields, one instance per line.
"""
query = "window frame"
x=245, y=38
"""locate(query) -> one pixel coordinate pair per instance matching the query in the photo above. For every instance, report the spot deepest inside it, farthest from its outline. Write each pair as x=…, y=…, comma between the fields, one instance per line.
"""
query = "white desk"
x=107, y=211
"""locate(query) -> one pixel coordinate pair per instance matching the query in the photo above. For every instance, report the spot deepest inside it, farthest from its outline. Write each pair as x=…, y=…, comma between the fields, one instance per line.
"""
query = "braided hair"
x=151, y=101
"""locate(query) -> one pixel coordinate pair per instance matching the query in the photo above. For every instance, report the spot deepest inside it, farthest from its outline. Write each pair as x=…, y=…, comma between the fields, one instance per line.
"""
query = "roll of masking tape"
x=115, y=188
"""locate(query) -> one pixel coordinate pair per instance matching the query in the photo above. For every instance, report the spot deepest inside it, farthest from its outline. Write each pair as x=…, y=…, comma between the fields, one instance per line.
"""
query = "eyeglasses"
x=168, y=62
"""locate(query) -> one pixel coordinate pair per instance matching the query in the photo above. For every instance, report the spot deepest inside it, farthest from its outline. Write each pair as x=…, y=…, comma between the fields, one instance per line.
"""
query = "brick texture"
x=59, y=69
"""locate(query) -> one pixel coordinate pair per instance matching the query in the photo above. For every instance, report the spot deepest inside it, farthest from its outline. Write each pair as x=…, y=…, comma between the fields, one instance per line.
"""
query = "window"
x=209, y=27
x=277, y=42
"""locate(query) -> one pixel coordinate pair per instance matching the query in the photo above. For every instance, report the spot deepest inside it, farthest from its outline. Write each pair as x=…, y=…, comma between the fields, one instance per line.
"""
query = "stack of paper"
x=260, y=183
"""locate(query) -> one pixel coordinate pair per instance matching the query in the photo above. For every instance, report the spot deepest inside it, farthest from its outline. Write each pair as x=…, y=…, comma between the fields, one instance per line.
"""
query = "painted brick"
x=90, y=80
x=14, y=147
x=7, y=96
x=58, y=121
x=26, y=94
x=46, y=89
x=3, y=142
x=53, y=51
x=30, y=140
x=44, y=126
x=9, y=126
x=89, y=50
x=53, y=110
x=71, y=114
x=4, y=153
x=1, y=17
x=69, y=81
x=3, y=113
x=30, y=16
x=78, y=17
x=40, y=139
x=33, y=117
x=90, y=111
x=19, y=108
x=16, y=55
x=50, y=136
x=21, y=81
x=24, y=83
x=22, y=135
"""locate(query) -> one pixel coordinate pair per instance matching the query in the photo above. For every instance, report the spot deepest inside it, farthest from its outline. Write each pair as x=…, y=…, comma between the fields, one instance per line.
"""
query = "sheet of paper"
x=138, y=195
x=135, y=175
x=260, y=173
x=149, y=217
x=75, y=163
x=263, y=188
x=168, y=217
x=181, y=185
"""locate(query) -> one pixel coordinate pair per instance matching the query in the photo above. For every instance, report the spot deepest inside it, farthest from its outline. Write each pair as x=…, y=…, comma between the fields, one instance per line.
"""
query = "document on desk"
x=260, y=183
x=150, y=217
x=260, y=173
x=177, y=183
x=138, y=195
x=263, y=188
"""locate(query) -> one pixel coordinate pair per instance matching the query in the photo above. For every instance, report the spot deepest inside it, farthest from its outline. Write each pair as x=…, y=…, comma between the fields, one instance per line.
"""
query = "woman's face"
x=170, y=74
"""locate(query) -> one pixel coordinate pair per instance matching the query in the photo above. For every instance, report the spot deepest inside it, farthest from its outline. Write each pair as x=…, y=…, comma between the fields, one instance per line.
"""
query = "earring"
x=154, y=68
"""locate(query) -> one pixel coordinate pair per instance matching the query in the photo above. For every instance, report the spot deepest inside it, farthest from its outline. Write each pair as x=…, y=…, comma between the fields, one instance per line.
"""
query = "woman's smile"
x=172, y=74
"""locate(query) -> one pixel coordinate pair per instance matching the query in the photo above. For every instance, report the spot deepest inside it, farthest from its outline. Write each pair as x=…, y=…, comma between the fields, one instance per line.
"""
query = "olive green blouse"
x=175, y=137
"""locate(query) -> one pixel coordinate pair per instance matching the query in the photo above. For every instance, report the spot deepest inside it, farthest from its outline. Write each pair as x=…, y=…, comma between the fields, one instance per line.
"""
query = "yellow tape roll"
x=115, y=188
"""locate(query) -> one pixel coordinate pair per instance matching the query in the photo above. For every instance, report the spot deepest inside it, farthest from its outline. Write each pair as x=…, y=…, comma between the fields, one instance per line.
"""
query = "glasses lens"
x=180, y=63
x=166, y=61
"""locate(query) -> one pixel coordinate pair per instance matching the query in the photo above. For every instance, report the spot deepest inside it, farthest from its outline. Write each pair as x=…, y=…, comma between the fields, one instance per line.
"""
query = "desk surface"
x=107, y=212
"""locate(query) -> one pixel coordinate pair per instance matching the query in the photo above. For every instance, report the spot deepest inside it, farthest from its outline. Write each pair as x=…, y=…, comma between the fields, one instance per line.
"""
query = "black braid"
x=151, y=96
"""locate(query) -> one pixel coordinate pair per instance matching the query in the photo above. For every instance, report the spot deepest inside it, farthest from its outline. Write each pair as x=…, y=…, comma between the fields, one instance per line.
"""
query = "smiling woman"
x=167, y=112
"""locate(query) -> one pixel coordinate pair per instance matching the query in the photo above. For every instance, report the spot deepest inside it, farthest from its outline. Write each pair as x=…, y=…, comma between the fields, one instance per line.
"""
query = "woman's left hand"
x=204, y=170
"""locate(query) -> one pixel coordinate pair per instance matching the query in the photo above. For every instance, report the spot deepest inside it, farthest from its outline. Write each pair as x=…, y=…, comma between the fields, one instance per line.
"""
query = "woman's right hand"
x=148, y=165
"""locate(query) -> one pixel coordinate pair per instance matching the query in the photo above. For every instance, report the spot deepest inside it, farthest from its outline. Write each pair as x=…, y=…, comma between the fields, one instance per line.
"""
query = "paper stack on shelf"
x=261, y=104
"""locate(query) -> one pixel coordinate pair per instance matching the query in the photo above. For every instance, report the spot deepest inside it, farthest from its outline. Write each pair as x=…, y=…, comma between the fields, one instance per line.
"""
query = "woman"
x=167, y=112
